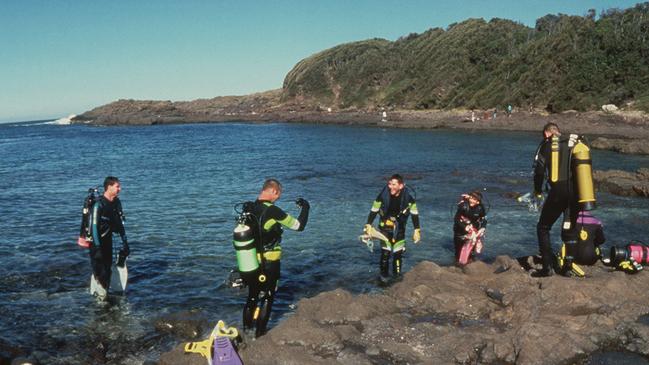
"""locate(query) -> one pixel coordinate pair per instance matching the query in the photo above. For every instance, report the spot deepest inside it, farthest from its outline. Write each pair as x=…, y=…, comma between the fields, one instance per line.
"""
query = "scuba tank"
x=250, y=258
x=580, y=168
x=243, y=239
x=584, y=175
x=85, y=233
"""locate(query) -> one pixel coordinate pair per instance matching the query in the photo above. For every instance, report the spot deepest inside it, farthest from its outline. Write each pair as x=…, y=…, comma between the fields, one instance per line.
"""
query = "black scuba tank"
x=85, y=232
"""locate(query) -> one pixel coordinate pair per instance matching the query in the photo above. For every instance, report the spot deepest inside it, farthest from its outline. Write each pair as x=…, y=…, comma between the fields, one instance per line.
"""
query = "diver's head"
x=395, y=184
x=271, y=191
x=551, y=129
x=112, y=187
x=474, y=198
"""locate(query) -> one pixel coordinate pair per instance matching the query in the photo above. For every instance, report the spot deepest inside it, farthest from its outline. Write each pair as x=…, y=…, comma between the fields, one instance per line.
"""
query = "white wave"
x=62, y=121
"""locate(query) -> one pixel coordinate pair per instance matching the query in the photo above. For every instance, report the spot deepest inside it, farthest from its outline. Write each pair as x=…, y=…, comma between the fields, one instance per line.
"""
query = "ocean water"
x=180, y=183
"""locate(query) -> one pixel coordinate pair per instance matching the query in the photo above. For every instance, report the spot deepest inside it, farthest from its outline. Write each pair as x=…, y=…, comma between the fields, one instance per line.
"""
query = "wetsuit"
x=591, y=236
x=393, y=212
x=561, y=199
x=466, y=215
x=268, y=235
x=106, y=218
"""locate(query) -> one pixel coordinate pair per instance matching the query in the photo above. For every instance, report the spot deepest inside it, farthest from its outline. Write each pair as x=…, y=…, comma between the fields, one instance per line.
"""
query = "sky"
x=65, y=57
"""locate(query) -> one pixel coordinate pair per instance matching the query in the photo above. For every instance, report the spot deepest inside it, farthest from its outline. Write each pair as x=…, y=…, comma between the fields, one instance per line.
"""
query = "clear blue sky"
x=64, y=57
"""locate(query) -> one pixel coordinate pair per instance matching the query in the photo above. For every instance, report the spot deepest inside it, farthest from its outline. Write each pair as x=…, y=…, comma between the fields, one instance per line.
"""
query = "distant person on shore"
x=509, y=110
x=393, y=205
x=262, y=284
x=472, y=116
x=554, y=165
x=469, y=226
x=495, y=113
x=107, y=219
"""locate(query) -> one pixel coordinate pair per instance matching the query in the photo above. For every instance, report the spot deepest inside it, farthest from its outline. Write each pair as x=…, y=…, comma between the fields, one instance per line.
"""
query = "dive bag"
x=85, y=233
x=630, y=258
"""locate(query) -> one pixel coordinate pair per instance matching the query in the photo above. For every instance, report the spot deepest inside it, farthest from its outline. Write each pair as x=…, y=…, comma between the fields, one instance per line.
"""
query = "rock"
x=623, y=183
x=487, y=313
x=609, y=108
x=630, y=146
x=184, y=325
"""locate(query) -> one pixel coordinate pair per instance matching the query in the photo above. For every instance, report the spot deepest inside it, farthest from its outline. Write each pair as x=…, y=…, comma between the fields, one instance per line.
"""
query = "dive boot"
x=543, y=273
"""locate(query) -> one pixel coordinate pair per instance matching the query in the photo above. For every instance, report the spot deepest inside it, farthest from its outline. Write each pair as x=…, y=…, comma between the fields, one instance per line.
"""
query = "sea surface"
x=179, y=186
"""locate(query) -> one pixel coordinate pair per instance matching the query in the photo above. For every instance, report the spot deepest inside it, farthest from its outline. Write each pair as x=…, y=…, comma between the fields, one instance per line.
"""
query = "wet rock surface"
x=482, y=313
x=630, y=146
x=623, y=183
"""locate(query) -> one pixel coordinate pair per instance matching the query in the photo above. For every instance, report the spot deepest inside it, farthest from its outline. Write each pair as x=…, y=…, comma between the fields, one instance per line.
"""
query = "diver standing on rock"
x=393, y=204
x=257, y=240
x=564, y=164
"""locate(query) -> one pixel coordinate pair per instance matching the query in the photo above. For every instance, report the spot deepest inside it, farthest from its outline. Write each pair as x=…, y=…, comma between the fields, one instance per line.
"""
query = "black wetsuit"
x=561, y=199
x=262, y=294
x=464, y=216
x=394, y=212
x=107, y=218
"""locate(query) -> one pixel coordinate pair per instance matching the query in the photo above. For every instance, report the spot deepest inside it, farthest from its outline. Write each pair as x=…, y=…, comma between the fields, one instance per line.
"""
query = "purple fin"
x=225, y=353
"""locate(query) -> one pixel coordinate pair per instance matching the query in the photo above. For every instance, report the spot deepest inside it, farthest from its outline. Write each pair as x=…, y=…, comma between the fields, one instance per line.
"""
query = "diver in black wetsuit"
x=394, y=204
x=470, y=215
x=270, y=218
x=561, y=198
x=107, y=218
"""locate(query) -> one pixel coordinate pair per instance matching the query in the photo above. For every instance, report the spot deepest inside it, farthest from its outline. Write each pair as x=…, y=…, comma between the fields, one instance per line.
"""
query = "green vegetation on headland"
x=565, y=62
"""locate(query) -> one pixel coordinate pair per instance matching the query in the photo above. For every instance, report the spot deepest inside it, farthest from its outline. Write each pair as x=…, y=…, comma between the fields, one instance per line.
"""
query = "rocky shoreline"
x=482, y=313
x=628, y=129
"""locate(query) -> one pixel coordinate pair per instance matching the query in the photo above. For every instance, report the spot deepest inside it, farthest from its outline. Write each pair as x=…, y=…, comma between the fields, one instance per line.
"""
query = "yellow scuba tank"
x=554, y=155
x=246, y=250
x=583, y=172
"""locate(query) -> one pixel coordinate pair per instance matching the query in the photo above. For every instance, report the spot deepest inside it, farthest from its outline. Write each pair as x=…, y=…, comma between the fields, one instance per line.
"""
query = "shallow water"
x=180, y=183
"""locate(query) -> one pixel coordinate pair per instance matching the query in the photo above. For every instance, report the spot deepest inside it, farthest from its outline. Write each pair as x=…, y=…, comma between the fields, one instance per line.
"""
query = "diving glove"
x=416, y=235
x=125, y=251
x=302, y=203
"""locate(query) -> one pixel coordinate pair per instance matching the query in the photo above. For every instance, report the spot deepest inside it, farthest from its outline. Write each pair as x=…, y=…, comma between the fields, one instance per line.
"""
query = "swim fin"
x=204, y=347
x=96, y=289
x=375, y=234
x=119, y=276
x=465, y=252
x=224, y=352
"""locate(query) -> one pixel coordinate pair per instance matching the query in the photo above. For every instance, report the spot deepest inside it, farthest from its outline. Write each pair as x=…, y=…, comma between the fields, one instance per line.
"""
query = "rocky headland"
x=480, y=314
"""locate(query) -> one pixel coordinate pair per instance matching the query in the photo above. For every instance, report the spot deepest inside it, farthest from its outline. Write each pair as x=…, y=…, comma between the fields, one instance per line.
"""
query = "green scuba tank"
x=244, y=244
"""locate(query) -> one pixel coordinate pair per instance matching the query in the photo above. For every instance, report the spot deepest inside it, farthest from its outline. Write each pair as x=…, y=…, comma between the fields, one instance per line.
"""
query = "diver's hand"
x=302, y=203
x=125, y=251
x=416, y=235
x=367, y=228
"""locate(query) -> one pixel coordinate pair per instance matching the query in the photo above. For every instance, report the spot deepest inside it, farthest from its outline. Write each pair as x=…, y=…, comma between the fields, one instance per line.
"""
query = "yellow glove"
x=416, y=235
x=367, y=229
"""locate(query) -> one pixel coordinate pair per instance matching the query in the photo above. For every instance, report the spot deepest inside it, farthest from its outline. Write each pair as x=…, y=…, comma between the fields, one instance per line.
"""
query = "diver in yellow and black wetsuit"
x=262, y=283
x=394, y=204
